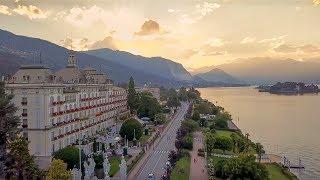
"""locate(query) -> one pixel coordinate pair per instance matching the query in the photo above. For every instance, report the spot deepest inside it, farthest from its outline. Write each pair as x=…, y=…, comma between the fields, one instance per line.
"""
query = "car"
x=151, y=176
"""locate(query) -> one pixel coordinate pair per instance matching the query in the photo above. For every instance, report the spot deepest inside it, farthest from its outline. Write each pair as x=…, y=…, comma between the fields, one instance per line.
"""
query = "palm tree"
x=260, y=150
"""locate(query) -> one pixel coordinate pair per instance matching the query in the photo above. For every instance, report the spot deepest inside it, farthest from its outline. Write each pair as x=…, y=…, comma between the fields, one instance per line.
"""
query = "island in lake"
x=289, y=88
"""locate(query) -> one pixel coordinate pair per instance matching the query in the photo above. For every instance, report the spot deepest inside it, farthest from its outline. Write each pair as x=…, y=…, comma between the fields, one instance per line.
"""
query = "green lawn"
x=276, y=173
x=114, y=161
x=182, y=169
x=144, y=138
x=224, y=133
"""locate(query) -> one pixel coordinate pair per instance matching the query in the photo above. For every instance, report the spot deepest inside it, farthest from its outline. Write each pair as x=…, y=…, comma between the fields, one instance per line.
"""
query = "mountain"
x=204, y=69
x=218, y=75
x=157, y=66
x=265, y=70
x=16, y=50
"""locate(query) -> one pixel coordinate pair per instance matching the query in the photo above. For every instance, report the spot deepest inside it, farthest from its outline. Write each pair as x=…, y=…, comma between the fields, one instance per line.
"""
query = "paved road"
x=159, y=156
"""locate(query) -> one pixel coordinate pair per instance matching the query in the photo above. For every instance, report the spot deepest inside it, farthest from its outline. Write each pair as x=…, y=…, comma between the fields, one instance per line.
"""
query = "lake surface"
x=286, y=125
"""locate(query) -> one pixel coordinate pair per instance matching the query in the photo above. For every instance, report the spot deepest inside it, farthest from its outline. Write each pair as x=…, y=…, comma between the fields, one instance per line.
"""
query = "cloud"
x=150, y=27
x=83, y=16
x=80, y=44
x=5, y=10
x=316, y=2
x=174, y=10
x=309, y=48
x=306, y=49
x=186, y=54
x=215, y=42
x=207, y=8
x=248, y=40
x=107, y=42
x=194, y=15
x=216, y=53
x=31, y=11
x=274, y=39
x=285, y=48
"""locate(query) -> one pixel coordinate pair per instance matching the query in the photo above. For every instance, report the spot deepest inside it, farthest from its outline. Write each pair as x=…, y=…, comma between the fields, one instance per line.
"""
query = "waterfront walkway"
x=198, y=168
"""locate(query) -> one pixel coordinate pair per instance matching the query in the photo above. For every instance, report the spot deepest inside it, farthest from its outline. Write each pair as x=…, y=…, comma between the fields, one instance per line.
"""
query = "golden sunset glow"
x=195, y=33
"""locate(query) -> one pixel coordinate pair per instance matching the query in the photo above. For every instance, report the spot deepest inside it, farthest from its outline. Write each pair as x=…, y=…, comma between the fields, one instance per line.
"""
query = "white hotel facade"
x=56, y=107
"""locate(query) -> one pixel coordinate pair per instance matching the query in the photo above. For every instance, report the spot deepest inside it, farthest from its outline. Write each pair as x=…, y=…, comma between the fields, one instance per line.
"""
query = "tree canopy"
x=21, y=162
x=69, y=155
x=132, y=96
x=173, y=99
x=8, y=124
x=223, y=142
x=58, y=171
x=241, y=167
x=160, y=118
x=148, y=105
x=129, y=127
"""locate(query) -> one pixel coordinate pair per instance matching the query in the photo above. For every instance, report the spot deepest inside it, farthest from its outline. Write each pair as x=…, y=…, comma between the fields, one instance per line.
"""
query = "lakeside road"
x=158, y=156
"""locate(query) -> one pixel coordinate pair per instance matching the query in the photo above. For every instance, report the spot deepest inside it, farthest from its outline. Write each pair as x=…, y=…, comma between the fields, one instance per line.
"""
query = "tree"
x=241, y=167
x=221, y=123
x=210, y=142
x=190, y=125
x=224, y=143
x=221, y=120
x=98, y=159
x=132, y=96
x=196, y=116
x=21, y=162
x=260, y=150
x=129, y=127
x=173, y=157
x=160, y=118
x=148, y=106
x=173, y=99
x=69, y=155
x=8, y=124
x=58, y=171
x=193, y=94
x=206, y=107
x=182, y=94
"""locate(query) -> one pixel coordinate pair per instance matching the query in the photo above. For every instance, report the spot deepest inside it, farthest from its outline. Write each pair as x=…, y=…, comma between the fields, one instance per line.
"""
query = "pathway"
x=198, y=169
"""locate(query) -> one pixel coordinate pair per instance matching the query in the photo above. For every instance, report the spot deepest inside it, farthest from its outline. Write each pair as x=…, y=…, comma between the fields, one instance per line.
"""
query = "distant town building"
x=53, y=107
x=153, y=90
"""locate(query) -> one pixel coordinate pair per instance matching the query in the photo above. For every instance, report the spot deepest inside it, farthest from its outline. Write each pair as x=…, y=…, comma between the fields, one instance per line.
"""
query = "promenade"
x=198, y=169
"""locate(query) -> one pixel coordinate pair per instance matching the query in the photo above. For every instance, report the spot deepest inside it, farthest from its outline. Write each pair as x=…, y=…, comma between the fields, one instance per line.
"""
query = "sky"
x=196, y=33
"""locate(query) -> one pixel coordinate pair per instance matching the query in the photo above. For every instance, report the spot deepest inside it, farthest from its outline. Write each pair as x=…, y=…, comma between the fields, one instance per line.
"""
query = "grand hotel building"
x=56, y=107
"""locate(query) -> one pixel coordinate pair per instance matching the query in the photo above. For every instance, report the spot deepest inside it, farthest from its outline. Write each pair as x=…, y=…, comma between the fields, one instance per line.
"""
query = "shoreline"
x=268, y=159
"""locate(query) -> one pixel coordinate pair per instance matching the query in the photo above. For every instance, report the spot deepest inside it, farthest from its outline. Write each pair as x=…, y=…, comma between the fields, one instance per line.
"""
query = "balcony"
x=24, y=103
x=24, y=114
x=57, y=103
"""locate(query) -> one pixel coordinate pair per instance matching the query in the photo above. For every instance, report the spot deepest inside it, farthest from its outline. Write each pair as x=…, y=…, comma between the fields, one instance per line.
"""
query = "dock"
x=287, y=164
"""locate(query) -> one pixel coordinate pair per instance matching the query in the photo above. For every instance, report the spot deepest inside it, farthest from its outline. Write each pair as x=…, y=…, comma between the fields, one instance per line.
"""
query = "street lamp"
x=79, y=141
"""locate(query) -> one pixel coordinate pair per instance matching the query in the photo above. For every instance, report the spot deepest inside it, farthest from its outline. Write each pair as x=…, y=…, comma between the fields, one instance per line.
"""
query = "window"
x=24, y=122
x=25, y=134
x=52, y=135
x=24, y=112
x=24, y=101
x=52, y=148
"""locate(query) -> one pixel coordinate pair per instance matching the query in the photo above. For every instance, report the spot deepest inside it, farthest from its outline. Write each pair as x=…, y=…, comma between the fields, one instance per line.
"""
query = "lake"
x=286, y=125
